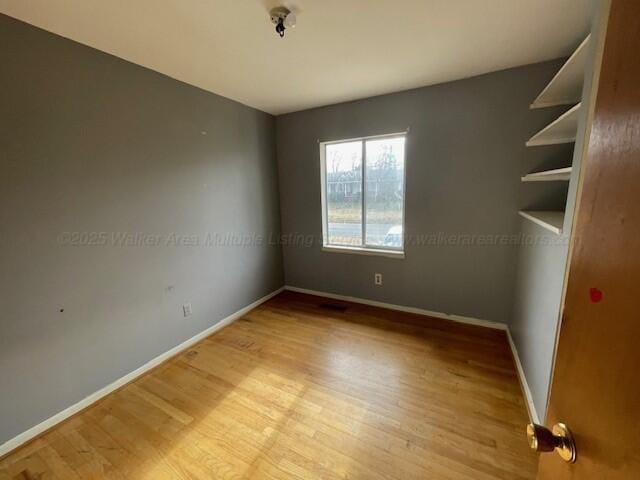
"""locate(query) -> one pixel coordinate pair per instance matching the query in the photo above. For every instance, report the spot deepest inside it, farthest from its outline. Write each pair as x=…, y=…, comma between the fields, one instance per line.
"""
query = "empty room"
x=337, y=239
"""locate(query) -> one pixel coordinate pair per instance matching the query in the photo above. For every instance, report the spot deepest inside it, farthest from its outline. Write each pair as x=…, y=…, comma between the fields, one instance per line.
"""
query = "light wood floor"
x=296, y=390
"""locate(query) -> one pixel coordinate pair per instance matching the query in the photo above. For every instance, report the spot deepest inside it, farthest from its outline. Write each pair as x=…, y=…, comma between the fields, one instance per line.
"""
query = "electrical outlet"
x=186, y=310
x=377, y=278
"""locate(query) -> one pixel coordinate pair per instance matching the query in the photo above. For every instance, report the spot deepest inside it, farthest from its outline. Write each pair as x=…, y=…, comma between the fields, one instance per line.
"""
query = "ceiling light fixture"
x=283, y=18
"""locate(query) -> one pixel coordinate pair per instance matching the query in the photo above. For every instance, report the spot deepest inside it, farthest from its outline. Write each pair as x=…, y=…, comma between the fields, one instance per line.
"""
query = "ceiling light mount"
x=282, y=18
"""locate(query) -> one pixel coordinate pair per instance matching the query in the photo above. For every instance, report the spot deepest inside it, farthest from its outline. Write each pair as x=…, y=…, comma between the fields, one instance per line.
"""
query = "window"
x=363, y=194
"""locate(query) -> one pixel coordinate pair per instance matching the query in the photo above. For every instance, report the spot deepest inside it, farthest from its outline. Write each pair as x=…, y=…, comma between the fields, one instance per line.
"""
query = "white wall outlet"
x=186, y=310
x=377, y=278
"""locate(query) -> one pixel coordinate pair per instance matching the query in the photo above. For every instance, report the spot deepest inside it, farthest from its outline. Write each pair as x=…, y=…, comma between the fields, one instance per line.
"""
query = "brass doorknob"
x=541, y=439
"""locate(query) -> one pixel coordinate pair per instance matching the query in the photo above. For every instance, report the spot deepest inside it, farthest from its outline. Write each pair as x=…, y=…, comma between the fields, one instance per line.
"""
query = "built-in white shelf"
x=558, y=174
x=565, y=88
x=561, y=130
x=552, y=221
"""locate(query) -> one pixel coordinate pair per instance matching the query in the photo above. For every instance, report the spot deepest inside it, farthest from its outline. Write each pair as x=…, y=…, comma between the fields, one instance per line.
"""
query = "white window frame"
x=364, y=249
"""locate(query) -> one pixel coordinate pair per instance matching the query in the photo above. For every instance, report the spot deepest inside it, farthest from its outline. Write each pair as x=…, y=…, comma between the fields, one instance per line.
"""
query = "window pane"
x=385, y=192
x=344, y=193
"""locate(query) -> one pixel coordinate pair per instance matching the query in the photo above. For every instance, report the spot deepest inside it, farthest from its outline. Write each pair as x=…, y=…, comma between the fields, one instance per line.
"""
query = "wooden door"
x=596, y=381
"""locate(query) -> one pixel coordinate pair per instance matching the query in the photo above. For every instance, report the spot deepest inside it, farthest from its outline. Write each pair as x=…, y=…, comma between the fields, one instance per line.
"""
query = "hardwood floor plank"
x=296, y=391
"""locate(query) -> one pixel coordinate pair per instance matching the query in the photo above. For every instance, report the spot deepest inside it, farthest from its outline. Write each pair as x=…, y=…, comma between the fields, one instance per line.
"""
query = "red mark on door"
x=595, y=294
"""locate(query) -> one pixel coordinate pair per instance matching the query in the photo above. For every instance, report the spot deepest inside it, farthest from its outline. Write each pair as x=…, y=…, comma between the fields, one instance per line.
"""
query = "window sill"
x=364, y=251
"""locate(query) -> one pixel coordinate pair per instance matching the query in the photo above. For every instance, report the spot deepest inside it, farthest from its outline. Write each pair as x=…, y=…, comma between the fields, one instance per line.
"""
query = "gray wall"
x=91, y=143
x=465, y=155
x=538, y=293
x=542, y=266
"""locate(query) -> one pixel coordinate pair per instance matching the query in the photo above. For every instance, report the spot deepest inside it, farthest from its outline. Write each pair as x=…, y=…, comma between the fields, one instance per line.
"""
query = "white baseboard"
x=533, y=414
x=401, y=308
x=33, y=432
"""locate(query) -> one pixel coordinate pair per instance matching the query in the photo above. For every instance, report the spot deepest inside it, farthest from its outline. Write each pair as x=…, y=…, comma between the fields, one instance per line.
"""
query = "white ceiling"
x=341, y=49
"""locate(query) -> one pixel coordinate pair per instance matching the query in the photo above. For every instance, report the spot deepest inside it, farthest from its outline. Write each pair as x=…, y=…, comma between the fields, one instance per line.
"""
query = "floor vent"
x=334, y=306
